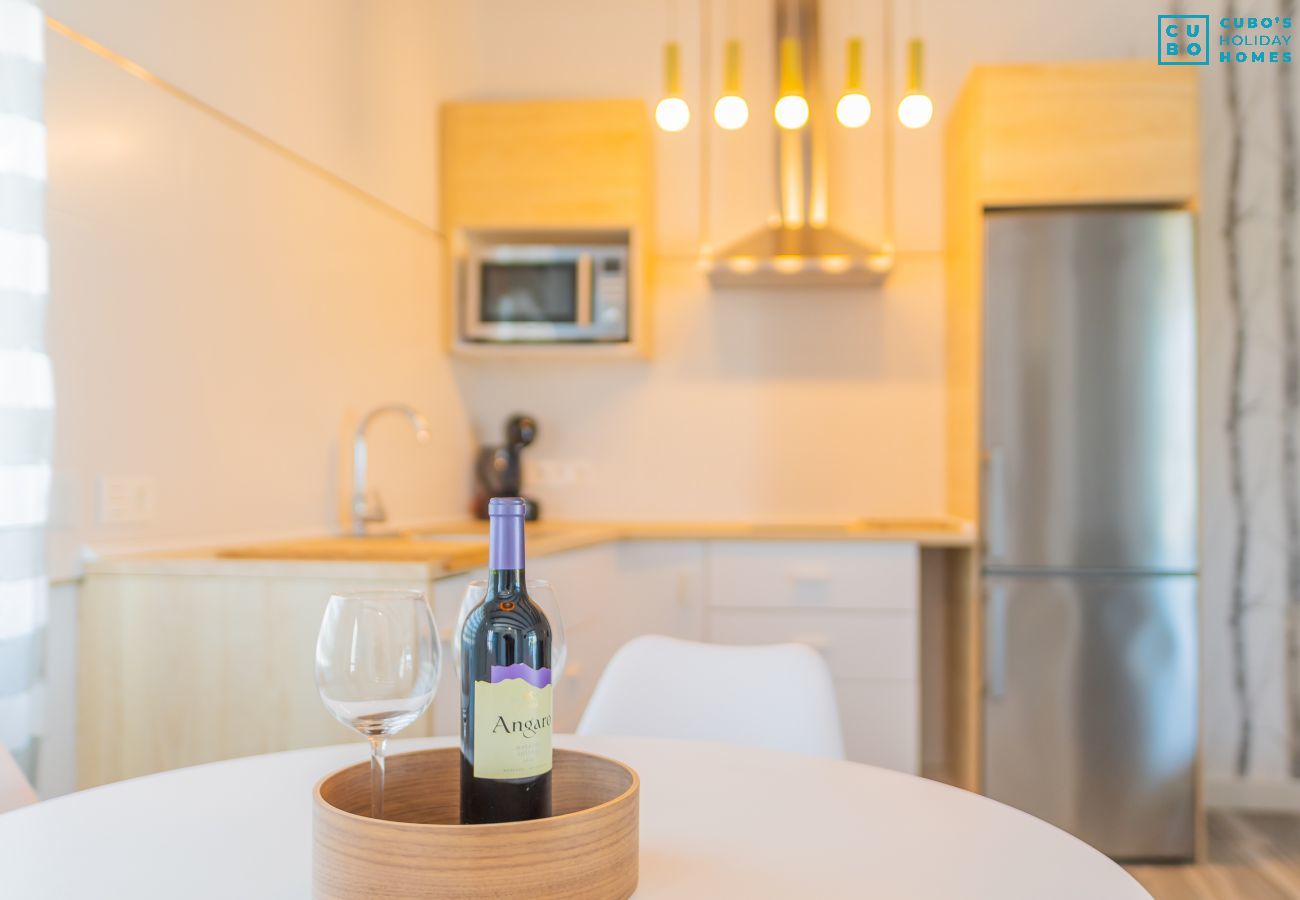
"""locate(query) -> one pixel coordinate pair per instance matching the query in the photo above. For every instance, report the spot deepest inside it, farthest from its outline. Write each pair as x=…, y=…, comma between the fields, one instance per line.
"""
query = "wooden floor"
x=1252, y=856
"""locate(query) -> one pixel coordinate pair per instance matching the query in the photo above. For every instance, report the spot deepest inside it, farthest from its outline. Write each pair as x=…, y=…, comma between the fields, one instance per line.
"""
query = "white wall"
x=346, y=83
x=219, y=309
x=755, y=405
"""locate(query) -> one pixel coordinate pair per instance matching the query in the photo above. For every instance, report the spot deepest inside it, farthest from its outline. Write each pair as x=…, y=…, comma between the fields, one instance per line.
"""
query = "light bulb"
x=853, y=110
x=731, y=112
x=791, y=111
x=915, y=111
x=672, y=114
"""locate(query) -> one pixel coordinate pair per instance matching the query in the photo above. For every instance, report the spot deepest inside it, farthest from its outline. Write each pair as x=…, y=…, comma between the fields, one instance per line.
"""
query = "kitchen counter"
x=245, y=619
x=451, y=548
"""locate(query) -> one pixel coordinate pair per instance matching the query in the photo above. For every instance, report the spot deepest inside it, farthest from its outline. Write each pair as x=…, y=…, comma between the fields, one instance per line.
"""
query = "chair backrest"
x=14, y=789
x=778, y=696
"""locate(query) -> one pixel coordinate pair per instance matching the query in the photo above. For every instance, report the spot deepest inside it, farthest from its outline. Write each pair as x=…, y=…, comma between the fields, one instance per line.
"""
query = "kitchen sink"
x=449, y=537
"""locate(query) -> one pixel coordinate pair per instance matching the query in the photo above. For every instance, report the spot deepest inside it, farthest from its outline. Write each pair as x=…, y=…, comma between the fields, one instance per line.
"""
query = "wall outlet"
x=555, y=472
x=126, y=500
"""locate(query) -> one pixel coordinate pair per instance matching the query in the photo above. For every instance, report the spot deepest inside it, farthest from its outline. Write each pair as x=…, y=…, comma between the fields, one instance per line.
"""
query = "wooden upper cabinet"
x=1078, y=133
x=545, y=164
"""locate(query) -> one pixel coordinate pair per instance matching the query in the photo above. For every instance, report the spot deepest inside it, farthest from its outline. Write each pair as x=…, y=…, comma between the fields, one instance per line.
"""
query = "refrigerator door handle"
x=995, y=643
x=995, y=504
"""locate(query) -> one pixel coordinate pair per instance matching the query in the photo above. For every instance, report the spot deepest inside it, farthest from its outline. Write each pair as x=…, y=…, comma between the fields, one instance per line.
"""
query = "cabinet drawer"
x=813, y=574
x=881, y=723
x=856, y=644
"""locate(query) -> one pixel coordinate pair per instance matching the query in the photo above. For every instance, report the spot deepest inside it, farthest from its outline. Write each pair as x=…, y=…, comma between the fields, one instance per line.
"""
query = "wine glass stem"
x=377, y=746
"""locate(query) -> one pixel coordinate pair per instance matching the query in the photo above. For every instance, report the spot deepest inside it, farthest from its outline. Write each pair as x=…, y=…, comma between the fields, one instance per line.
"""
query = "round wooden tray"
x=587, y=850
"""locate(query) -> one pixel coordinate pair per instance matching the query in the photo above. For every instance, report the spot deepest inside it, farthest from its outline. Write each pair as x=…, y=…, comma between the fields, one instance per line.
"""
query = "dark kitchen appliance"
x=498, y=470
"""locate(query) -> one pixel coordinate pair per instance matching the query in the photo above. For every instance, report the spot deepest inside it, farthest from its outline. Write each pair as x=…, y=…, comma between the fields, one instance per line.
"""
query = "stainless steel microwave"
x=543, y=287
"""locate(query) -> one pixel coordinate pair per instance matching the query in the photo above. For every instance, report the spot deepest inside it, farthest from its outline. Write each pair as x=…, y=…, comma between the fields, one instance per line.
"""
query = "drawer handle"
x=810, y=587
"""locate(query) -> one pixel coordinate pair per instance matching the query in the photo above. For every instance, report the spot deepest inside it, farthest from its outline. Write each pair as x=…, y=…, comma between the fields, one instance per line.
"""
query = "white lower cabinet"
x=814, y=574
x=863, y=644
x=881, y=722
x=856, y=603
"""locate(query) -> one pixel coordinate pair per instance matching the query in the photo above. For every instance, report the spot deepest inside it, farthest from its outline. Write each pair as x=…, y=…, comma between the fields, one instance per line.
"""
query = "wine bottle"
x=505, y=688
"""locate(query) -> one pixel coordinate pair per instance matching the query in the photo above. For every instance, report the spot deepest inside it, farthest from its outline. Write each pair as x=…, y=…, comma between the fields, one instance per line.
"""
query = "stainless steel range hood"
x=800, y=249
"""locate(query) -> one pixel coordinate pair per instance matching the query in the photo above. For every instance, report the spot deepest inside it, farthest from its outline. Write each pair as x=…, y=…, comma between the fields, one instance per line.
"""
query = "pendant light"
x=672, y=113
x=791, y=110
x=854, y=109
x=731, y=111
x=915, y=109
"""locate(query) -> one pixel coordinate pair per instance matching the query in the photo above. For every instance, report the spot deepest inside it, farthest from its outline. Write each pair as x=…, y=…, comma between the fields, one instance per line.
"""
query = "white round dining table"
x=716, y=822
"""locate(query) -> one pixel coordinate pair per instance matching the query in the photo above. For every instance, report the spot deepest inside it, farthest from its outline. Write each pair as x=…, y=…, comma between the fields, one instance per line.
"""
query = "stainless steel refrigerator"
x=1090, y=524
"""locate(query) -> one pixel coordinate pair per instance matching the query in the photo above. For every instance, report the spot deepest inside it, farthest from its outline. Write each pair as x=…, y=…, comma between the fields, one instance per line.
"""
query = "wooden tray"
x=588, y=850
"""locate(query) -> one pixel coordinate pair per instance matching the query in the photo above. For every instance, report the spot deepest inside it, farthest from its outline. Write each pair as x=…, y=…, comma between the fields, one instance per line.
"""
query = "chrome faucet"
x=367, y=507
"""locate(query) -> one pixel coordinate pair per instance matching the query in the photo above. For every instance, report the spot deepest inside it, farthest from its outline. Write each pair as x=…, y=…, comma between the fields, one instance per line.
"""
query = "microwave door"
x=543, y=293
x=526, y=300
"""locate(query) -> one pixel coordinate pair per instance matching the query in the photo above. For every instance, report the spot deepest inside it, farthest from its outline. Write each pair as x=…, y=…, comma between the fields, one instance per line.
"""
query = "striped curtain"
x=26, y=384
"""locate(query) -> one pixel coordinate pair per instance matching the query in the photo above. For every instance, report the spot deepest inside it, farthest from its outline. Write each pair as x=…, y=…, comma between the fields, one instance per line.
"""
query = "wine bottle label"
x=512, y=723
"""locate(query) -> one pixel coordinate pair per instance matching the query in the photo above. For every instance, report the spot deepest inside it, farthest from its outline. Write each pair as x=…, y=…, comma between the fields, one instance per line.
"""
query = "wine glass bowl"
x=377, y=665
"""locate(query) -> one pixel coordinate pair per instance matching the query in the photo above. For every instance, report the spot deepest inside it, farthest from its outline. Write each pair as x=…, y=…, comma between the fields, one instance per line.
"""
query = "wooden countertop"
x=460, y=548
x=449, y=548
x=927, y=532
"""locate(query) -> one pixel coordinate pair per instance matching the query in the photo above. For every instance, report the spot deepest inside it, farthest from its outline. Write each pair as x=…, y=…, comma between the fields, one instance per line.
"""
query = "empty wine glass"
x=377, y=666
x=543, y=595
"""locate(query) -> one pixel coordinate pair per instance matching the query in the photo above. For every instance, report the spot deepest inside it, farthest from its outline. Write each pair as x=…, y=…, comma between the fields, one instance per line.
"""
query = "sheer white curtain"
x=26, y=390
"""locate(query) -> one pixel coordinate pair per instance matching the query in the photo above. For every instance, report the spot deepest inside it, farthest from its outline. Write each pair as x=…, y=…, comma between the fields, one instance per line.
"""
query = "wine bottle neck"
x=506, y=543
x=504, y=582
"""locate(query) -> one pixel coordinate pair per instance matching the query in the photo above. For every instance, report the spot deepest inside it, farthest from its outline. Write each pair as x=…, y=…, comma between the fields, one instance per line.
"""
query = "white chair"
x=778, y=696
x=14, y=789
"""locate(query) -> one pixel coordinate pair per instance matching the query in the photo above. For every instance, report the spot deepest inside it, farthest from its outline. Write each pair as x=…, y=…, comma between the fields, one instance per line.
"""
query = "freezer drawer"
x=1090, y=707
x=1089, y=394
